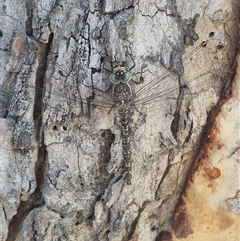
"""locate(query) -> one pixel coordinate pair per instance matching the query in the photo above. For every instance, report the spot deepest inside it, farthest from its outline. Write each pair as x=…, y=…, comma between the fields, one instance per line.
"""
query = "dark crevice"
x=34, y=201
x=4, y=212
x=190, y=35
x=107, y=140
x=6, y=114
x=211, y=35
x=175, y=122
x=36, y=198
x=219, y=47
x=28, y=23
x=165, y=174
x=188, y=137
x=133, y=225
x=44, y=50
x=28, y=26
x=55, y=128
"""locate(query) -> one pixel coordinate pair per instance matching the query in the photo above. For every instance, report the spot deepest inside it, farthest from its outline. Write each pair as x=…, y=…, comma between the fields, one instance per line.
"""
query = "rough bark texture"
x=61, y=159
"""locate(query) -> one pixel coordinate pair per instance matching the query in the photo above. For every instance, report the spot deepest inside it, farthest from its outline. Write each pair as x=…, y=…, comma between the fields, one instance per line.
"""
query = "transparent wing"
x=75, y=93
x=164, y=89
x=159, y=87
x=168, y=82
x=83, y=96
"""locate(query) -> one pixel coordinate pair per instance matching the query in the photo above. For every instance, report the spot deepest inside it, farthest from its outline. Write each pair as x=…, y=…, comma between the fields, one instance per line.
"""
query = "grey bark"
x=61, y=162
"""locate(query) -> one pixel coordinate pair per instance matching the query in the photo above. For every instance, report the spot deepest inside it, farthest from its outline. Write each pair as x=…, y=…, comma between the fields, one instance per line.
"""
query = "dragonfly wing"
x=76, y=101
x=169, y=83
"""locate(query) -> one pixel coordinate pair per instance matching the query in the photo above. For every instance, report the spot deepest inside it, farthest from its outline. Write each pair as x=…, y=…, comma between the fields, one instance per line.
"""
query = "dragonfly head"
x=120, y=75
x=119, y=71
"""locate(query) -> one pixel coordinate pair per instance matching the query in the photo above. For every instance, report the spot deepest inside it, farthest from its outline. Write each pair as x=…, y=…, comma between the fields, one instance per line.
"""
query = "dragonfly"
x=123, y=97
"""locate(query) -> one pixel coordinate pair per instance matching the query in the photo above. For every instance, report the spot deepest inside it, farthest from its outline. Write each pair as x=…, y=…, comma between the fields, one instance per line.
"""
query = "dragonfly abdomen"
x=124, y=113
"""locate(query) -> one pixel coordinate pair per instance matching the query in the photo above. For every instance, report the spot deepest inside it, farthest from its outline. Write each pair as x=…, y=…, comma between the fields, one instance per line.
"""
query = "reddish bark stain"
x=19, y=44
x=181, y=225
x=212, y=172
x=164, y=236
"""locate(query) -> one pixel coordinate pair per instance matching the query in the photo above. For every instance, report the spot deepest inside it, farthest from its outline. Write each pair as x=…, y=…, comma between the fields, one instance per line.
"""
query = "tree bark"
x=61, y=155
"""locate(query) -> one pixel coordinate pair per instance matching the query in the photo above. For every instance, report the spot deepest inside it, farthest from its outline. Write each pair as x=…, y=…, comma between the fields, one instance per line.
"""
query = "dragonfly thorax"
x=122, y=94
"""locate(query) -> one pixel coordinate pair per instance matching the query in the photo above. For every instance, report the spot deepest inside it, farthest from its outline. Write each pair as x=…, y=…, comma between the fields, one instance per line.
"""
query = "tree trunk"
x=61, y=154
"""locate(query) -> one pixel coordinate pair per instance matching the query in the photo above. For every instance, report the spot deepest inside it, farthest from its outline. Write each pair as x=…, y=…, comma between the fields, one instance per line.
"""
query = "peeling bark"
x=61, y=152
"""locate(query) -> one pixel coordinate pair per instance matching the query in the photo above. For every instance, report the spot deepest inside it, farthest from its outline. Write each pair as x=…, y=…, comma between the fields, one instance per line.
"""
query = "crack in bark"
x=181, y=117
x=44, y=50
x=133, y=225
x=36, y=199
x=28, y=23
x=164, y=175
